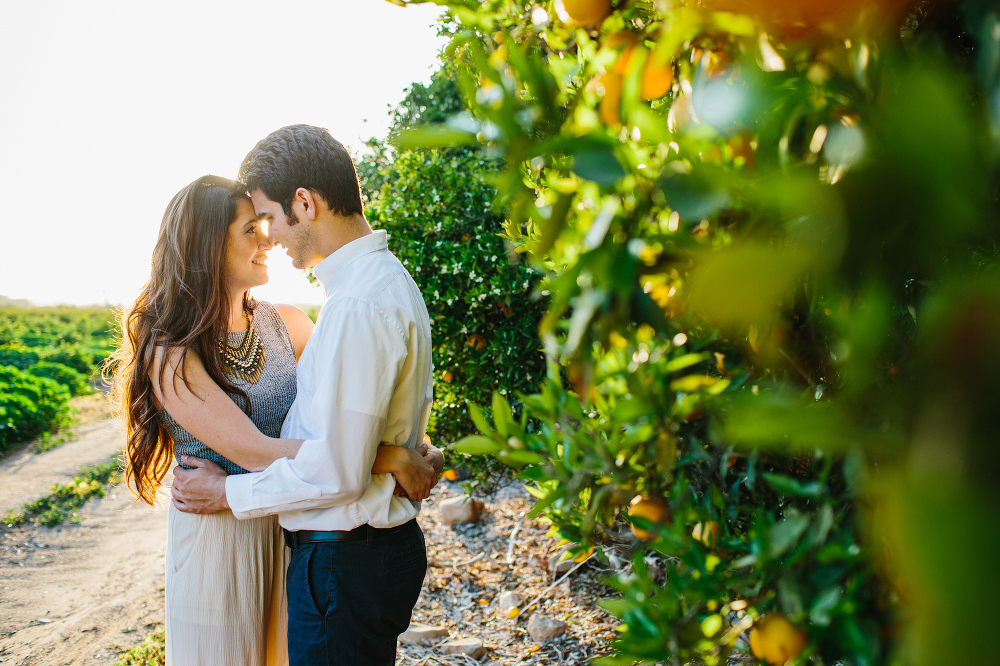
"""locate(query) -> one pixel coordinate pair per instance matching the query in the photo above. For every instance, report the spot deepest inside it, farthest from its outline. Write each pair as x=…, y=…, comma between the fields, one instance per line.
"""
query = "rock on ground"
x=422, y=634
x=543, y=628
x=467, y=646
x=460, y=510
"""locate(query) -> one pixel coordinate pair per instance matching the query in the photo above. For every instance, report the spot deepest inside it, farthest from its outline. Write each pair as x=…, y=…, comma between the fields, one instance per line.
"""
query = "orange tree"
x=768, y=232
x=437, y=207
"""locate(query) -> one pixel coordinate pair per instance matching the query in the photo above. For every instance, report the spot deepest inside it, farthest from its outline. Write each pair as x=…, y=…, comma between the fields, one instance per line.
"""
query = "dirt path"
x=76, y=593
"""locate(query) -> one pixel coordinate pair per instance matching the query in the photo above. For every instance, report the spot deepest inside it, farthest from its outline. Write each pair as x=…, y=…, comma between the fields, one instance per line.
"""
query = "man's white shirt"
x=364, y=377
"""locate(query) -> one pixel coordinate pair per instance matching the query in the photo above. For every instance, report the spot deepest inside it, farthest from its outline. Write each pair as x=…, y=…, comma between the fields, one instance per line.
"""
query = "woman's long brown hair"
x=183, y=306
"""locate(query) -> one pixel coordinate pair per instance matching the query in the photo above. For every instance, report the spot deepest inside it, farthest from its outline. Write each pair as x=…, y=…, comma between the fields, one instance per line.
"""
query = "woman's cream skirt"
x=225, y=591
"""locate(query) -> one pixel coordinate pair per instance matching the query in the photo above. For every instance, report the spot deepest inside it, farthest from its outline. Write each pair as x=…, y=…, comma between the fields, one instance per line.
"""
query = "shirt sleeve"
x=357, y=360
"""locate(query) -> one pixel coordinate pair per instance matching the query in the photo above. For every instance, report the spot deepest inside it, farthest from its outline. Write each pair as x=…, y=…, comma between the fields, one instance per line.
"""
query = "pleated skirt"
x=225, y=591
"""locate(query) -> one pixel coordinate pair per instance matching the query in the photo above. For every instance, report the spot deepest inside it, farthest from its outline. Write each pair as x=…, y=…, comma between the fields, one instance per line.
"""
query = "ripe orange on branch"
x=776, y=640
x=656, y=79
x=582, y=13
x=653, y=509
x=609, y=109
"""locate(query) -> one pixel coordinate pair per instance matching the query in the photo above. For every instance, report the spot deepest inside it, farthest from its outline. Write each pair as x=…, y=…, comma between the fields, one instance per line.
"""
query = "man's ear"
x=309, y=201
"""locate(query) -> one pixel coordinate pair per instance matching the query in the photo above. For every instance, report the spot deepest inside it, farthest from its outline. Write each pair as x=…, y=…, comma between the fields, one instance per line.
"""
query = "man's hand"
x=199, y=490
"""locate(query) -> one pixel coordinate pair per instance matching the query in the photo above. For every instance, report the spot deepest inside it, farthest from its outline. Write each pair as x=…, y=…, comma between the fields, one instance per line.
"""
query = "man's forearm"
x=256, y=455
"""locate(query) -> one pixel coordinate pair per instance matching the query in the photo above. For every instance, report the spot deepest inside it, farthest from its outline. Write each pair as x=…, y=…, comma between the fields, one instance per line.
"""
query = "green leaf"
x=502, y=416
x=479, y=419
x=630, y=409
x=787, y=532
x=598, y=164
x=685, y=361
x=692, y=383
x=476, y=445
x=518, y=458
x=789, y=486
x=825, y=602
x=431, y=136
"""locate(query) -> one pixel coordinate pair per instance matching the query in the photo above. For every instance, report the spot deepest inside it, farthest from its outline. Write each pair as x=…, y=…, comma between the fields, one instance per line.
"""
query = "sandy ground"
x=77, y=593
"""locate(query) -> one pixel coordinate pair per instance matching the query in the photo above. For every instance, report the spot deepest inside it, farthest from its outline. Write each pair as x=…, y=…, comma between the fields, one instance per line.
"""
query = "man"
x=358, y=558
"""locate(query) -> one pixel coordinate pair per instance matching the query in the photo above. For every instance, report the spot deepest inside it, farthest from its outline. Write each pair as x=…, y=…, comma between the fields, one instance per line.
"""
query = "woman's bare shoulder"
x=298, y=323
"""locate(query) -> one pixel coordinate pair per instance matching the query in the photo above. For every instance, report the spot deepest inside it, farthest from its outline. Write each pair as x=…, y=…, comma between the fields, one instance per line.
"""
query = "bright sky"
x=109, y=108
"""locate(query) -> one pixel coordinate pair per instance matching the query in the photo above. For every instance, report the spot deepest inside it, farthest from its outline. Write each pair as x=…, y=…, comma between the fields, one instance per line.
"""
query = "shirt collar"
x=326, y=270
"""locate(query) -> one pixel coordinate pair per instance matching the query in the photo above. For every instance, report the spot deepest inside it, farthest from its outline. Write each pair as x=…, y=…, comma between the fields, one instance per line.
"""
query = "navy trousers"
x=348, y=601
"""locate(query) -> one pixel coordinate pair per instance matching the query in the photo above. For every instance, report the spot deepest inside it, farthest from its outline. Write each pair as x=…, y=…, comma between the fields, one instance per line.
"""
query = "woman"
x=206, y=371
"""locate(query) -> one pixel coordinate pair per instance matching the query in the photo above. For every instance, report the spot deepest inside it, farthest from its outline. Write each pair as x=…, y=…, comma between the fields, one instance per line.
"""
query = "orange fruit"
x=582, y=13
x=776, y=640
x=707, y=533
x=447, y=376
x=624, y=42
x=609, y=108
x=656, y=79
x=476, y=341
x=450, y=474
x=653, y=509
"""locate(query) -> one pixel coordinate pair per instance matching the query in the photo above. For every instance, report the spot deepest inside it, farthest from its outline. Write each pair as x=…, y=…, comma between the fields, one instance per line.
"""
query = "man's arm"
x=356, y=365
x=203, y=489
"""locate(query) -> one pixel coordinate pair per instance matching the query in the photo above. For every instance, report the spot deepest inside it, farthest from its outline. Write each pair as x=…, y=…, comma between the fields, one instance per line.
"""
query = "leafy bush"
x=18, y=356
x=438, y=213
x=768, y=239
x=29, y=405
x=437, y=207
x=151, y=652
x=63, y=374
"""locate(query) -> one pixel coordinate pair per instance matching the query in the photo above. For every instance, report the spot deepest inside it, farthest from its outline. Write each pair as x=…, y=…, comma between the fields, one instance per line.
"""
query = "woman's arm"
x=210, y=415
x=298, y=324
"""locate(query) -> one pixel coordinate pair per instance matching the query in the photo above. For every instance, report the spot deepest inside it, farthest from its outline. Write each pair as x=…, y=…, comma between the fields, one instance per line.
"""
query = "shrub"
x=441, y=225
x=65, y=375
x=767, y=237
x=437, y=207
x=29, y=405
x=18, y=356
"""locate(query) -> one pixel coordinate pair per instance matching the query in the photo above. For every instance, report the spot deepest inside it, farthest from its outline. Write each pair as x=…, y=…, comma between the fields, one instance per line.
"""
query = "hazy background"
x=109, y=108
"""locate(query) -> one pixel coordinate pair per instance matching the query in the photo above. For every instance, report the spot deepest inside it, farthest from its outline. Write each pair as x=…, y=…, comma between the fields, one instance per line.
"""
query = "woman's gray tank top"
x=270, y=397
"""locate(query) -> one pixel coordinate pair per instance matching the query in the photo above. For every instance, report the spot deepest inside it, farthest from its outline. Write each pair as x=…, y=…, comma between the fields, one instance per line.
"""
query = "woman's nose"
x=263, y=241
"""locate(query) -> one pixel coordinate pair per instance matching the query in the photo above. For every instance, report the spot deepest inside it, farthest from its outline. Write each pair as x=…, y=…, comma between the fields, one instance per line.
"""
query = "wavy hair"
x=185, y=306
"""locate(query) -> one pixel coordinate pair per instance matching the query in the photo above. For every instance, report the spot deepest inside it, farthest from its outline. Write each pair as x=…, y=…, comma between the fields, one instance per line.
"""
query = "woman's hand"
x=416, y=473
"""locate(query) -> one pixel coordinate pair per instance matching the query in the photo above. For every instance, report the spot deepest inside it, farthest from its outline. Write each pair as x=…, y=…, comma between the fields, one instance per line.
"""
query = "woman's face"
x=246, y=250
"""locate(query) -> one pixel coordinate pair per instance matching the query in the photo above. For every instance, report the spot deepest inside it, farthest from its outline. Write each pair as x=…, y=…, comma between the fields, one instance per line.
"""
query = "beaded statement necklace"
x=246, y=361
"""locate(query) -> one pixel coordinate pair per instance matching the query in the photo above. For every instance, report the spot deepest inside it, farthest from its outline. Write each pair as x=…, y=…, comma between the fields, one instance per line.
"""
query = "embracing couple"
x=300, y=449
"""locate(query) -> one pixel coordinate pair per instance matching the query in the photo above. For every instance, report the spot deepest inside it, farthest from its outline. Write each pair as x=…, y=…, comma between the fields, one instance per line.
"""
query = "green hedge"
x=29, y=405
x=484, y=320
x=75, y=381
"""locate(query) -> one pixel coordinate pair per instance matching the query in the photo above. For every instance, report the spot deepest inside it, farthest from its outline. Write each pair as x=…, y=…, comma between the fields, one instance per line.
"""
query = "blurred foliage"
x=47, y=355
x=437, y=207
x=768, y=232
